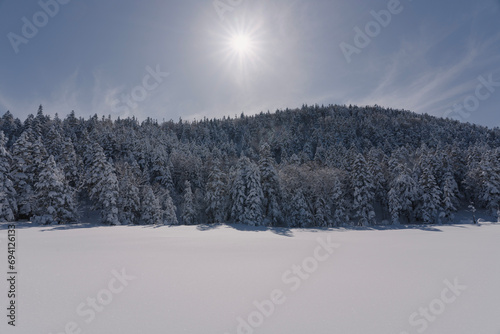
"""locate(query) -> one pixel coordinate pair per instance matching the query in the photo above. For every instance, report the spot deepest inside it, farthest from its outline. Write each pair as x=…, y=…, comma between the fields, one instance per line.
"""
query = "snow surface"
x=193, y=280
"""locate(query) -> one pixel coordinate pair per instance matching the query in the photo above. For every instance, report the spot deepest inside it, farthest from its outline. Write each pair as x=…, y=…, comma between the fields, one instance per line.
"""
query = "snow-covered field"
x=124, y=280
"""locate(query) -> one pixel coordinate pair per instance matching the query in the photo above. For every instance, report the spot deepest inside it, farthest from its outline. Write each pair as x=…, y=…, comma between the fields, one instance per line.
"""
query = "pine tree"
x=68, y=162
x=395, y=203
x=151, y=213
x=270, y=187
x=8, y=204
x=321, y=212
x=253, y=212
x=188, y=210
x=55, y=202
x=39, y=157
x=160, y=168
x=23, y=173
x=300, y=215
x=449, y=196
x=9, y=127
x=340, y=216
x=489, y=181
x=39, y=123
x=403, y=194
x=103, y=186
x=362, y=184
x=431, y=197
x=377, y=165
x=53, y=143
x=215, y=195
x=238, y=191
x=169, y=215
x=129, y=202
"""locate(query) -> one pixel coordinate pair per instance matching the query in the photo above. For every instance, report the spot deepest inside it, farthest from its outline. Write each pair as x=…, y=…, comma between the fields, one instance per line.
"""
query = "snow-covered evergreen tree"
x=151, y=213
x=430, y=198
x=68, y=162
x=321, y=212
x=362, y=184
x=238, y=191
x=53, y=143
x=129, y=202
x=300, y=215
x=341, y=215
x=103, y=186
x=449, y=196
x=215, y=195
x=23, y=173
x=8, y=204
x=169, y=214
x=246, y=194
x=270, y=187
x=403, y=194
x=54, y=198
x=39, y=157
x=489, y=181
x=377, y=165
x=160, y=168
x=188, y=210
x=253, y=213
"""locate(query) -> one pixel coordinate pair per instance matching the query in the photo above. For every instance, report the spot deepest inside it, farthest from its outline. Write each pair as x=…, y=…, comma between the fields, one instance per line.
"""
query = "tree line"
x=317, y=166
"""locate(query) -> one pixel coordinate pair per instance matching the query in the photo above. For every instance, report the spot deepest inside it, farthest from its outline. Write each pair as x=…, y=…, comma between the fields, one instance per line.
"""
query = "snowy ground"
x=194, y=280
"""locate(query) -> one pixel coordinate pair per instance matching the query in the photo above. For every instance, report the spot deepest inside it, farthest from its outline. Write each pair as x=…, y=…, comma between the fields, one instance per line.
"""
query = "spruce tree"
x=8, y=204
x=362, y=184
x=341, y=215
x=103, y=186
x=151, y=213
x=68, y=162
x=23, y=173
x=238, y=191
x=253, y=212
x=169, y=210
x=403, y=194
x=431, y=197
x=129, y=202
x=53, y=143
x=215, y=195
x=449, y=197
x=489, y=182
x=54, y=198
x=300, y=215
x=321, y=212
x=271, y=189
x=188, y=209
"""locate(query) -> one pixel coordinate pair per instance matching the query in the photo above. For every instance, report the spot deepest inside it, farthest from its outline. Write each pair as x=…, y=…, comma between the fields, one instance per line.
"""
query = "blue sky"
x=171, y=59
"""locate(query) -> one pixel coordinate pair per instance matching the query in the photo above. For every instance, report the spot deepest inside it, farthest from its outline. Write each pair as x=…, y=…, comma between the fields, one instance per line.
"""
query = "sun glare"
x=241, y=43
x=241, y=49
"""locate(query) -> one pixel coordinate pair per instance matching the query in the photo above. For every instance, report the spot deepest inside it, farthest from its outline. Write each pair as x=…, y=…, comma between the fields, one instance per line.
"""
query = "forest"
x=316, y=166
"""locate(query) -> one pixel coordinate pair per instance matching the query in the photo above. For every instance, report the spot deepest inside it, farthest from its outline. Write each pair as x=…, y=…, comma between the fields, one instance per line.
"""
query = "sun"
x=239, y=48
x=241, y=44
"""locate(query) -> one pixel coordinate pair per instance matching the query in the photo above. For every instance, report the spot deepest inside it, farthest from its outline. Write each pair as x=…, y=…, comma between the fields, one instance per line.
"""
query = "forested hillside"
x=310, y=167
